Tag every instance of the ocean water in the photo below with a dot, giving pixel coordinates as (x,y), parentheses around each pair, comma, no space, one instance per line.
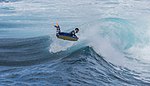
(112,50)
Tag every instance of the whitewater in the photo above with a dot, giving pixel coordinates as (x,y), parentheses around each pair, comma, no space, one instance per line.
(112,50)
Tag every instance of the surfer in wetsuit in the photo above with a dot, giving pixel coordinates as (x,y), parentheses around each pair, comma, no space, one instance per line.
(58,31)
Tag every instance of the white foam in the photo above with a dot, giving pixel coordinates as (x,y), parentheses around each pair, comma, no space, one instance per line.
(58,45)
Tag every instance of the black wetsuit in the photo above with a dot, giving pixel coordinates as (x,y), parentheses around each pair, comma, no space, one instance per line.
(72,33)
(58,31)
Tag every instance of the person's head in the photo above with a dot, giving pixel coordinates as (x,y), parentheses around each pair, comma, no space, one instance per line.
(76,30)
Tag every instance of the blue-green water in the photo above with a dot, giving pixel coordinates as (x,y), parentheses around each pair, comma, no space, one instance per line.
(112,50)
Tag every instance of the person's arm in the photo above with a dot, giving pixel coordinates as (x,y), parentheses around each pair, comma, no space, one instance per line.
(57,26)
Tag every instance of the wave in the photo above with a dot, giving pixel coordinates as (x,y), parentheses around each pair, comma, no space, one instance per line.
(80,66)
(85,65)
(23,51)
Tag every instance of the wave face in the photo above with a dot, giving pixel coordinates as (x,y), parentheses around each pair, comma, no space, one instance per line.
(113,47)
(81,67)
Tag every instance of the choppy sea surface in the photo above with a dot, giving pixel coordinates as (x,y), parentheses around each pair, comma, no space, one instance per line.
(112,50)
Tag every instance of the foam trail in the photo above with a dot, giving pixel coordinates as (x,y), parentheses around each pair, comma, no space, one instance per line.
(58,45)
